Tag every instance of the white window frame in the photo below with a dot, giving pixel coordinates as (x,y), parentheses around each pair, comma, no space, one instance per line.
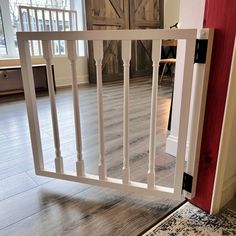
(9,34)
(26,26)
(8,31)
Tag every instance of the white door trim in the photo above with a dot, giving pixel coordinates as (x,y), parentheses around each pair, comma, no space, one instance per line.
(225,187)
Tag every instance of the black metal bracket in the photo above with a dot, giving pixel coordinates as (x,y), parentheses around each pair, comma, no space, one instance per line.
(200,51)
(187,182)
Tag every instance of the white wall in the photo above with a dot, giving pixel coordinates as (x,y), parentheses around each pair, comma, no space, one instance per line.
(191,15)
(225,181)
(171,13)
(63,71)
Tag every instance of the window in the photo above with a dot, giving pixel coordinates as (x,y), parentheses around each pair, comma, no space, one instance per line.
(3,48)
(15,18)
(47,19)
(9,47)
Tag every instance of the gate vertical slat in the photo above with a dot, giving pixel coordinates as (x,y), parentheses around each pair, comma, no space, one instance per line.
(51,23)
(59,41)
(30,99)
(72,56)
(21,19)
(76,22)
(37,28)
(184,114)
(44,22)
(30,29)
(70,17)
(63,21)
(156,49)
(98,56)
(51,29)
(126,56)
(47,54)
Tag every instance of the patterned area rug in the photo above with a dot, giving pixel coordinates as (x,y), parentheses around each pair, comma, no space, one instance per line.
(190,220)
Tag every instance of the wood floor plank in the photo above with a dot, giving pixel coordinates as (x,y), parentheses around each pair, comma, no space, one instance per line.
(28,203)
(35,205)
(15,185)
(118,214)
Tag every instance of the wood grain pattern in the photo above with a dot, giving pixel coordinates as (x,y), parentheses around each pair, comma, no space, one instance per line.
(34,205)
(107,15)
(144,15)
(221,16)
(120,14)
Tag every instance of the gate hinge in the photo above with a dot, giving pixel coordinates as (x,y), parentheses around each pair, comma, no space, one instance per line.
(200,51)
(187,182)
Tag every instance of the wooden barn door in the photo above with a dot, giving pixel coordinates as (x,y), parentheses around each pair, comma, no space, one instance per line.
(123,14)
(107,15)
(144,14)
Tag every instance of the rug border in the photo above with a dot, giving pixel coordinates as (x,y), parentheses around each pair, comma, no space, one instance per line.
(164,217)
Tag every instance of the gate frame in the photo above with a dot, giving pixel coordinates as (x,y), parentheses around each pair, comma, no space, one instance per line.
(189,35)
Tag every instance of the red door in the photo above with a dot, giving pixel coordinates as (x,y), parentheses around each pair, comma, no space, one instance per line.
(221,16)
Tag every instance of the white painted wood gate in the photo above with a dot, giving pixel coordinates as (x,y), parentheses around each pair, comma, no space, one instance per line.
(41,19)
(126,36)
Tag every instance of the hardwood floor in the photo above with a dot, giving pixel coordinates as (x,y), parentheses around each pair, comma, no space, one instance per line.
(34,205)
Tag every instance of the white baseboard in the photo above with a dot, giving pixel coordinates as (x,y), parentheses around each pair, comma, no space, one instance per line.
(229,190)
(66,81)
(172,144)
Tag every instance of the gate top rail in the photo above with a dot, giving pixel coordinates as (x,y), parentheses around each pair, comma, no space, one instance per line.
(24,7)
(150,34)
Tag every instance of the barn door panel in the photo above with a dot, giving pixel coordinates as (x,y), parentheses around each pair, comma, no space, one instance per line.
(107,15)
(123,14)
(144,14)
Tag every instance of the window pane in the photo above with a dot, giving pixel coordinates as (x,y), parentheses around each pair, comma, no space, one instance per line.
(3,48)
(60,4)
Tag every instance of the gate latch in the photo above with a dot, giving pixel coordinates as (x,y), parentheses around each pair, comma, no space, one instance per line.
(200,51)
(187,182)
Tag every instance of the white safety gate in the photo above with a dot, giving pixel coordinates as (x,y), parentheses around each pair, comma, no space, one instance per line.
(41,19)
(126,36)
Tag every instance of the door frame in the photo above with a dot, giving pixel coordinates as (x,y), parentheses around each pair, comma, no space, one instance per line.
(225,184)
(218,14)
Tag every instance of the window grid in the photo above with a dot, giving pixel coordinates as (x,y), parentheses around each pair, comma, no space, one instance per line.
(3,46)
(47,19)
